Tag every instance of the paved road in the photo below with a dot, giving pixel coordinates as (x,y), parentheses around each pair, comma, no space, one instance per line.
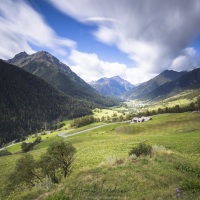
(64,133)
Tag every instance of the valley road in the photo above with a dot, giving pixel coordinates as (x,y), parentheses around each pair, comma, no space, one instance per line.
(79,132)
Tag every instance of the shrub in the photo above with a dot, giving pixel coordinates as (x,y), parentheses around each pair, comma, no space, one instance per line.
(190,185)
(5,152)
(29,146)
(159,149)
(61,195)
(113,161)
(133,157)
(26,146)
(141,149)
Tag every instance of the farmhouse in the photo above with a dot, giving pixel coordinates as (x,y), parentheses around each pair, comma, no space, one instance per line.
(48,132)
(141,119)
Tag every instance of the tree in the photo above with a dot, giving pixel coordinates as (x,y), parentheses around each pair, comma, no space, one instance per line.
(102,119)
(121,118)
(37,140)
(25,147)
(192,106)
(25,172)
(59,156)
(176,109)
(198,103)
(29,146)
(160,111)
(48,166)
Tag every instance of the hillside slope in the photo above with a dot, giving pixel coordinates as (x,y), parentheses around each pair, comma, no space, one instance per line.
(59,75)
(143,89)
(114,87)
(190,80)
(27,103)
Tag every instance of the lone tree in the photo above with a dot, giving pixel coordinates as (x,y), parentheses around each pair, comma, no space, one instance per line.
(25,172)
(59,157)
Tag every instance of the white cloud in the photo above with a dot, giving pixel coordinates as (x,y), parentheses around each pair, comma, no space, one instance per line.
(152,33)
(21,25)
(187,60)
(89,67)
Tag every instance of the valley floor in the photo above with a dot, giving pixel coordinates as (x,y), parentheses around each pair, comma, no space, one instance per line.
(104,170)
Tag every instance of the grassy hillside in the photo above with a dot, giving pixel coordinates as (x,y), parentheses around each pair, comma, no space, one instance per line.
(182,99)
(141,91)
(103,169)
(189,80)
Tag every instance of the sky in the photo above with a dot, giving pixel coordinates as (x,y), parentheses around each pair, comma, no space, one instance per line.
(133,39)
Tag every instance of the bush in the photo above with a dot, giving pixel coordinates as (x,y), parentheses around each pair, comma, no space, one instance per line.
(190,185)
(82,121)
(142,149)
(61,195)
(5,152)
(25,147)
(133,157)
(29,146)
(156,150)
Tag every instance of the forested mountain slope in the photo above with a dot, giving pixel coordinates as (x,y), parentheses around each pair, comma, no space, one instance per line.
(60,76)
(28,102)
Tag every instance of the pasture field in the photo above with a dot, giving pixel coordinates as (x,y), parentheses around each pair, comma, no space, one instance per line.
(103,169)
(104,112)
(182,99)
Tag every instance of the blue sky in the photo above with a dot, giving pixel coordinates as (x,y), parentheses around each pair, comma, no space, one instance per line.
(66,26)
(98,38)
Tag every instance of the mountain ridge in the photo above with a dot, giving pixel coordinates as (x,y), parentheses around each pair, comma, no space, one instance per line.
(145,88)
(49,68)
(114,86)
(189,80)
(27,102)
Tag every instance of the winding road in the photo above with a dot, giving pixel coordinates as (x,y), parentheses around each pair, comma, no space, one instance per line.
(64,133)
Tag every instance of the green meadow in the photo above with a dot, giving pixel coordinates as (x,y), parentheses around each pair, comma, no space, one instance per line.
(103,168)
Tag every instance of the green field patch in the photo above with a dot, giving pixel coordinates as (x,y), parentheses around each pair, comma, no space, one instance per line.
(103,169)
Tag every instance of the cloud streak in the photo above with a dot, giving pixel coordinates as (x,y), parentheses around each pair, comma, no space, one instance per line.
(21,26)
(153,33)
(156,35)
(89,67)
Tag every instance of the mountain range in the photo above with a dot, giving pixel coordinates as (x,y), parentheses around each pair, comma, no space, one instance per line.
(145,88)
(189,80)
(114,87)
(49,68)
(166,84)
(38,89)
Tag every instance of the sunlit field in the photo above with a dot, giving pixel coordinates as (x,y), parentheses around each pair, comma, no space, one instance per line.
(103,169)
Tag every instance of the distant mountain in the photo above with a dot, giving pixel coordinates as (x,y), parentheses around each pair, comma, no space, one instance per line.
(141,91)
(28,102)
(114,87)
(60,76)
(189,80)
